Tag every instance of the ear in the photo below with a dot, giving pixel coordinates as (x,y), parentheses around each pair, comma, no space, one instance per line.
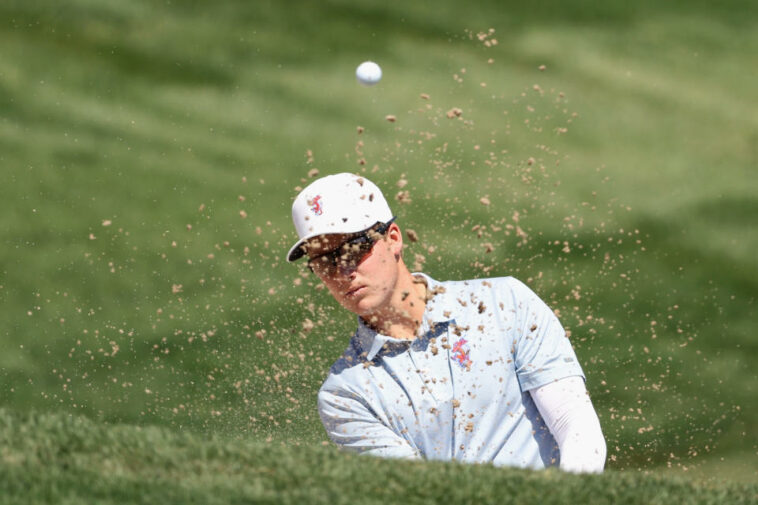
(394,237)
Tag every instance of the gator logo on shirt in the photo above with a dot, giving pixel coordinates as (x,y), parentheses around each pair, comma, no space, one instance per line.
(461,354)
(316,205)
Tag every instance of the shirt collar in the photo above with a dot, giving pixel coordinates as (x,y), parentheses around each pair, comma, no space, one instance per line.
(370,342)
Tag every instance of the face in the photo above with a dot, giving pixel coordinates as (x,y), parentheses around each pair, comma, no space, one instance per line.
(360,274)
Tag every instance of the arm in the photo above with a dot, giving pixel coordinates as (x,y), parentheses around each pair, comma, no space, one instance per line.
(568,412)
(352,425)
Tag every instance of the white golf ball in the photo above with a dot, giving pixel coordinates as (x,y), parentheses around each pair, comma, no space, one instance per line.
(368,73)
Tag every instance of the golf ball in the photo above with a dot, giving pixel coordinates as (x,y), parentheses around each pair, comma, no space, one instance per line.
(368,73)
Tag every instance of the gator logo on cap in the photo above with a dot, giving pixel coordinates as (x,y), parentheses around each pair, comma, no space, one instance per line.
(316,206)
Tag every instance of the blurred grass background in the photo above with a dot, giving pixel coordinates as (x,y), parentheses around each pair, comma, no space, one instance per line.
(151,151)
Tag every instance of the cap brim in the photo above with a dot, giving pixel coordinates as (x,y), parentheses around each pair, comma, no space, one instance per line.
(297,251)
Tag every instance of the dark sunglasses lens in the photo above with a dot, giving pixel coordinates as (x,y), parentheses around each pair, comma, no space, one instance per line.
(358,251)
(348,255)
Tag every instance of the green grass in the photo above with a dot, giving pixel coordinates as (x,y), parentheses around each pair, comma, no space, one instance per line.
(635,153)
(55,458)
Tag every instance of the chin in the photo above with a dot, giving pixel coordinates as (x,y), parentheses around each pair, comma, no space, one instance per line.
(364,310)
(363,307)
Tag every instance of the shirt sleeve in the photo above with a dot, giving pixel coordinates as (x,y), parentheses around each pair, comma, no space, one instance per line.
(352,425)
(541,351)
(568,413)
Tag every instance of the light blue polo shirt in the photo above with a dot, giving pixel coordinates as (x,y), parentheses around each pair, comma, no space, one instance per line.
(459,391)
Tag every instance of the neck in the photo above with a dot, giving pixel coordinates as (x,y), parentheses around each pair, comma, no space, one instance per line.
(405,313)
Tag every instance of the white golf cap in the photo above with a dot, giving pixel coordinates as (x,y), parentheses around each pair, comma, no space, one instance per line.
(340,203)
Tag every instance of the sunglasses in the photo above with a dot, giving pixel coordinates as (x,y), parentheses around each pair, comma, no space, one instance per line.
(350,253)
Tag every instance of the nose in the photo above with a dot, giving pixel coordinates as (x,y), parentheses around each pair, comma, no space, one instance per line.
(347,271)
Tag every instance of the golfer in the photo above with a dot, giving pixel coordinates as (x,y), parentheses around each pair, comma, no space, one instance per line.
(476,371)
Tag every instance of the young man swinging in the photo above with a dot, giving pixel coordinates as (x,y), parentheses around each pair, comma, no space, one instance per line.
(476,371)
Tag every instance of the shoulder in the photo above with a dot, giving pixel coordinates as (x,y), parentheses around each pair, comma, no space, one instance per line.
(509,287)
(466,286)
(453,289)
(465,299)
(484,282)
(497,286)
(344,384)
(350,358)
(343,371)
